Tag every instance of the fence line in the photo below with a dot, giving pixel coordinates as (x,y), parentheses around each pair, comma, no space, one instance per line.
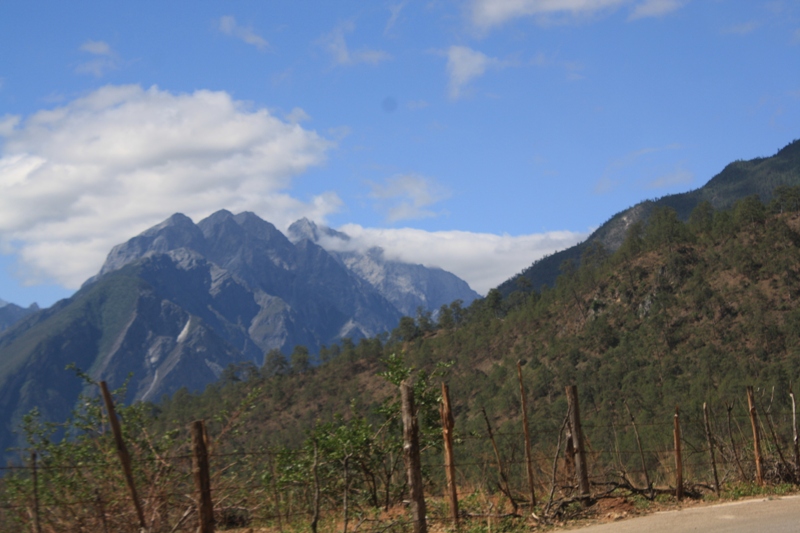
(491,476)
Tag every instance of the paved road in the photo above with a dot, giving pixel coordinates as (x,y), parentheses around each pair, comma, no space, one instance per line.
(777,515)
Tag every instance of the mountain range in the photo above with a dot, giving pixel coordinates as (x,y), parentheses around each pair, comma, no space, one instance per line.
(175,305)
(737,180)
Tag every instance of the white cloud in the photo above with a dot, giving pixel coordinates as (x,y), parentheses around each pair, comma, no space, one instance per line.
(407,196)
(464,65)
(297,115)
(228,26)
(336,45)
(655,8)
(610,179)
(488,13)
(105,59)
(78,179)
(394,11)
(98,48)
(7,124)
(605,185)
(484,260)
(676,177)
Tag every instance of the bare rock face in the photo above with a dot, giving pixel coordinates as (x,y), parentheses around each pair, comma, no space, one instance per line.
(251,285)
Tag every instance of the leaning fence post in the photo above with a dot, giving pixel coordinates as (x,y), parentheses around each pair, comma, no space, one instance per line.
(449,464)
(756,437)
(577,440)
(641,451)
(37,528)
(528,459)
(711,448)
(202,479)
(678,456)
(411,457)
(122,451)
(504,486)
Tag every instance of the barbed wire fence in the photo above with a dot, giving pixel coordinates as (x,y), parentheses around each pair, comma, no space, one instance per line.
(493,475)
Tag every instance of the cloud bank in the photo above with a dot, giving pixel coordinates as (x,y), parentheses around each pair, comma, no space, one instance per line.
(78,179)
(484,260)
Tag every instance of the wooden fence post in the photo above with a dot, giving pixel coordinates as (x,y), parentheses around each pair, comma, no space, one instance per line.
(641,451)
(711,448)
(528,459)
(411,457)
(751,404)
(729,408)
(504,485)
(315,472)
(37,528)
(678,456)
(202,479)
(795,440)
(448,423)
(122,451)
(276,492)
(577,439)
(101,510)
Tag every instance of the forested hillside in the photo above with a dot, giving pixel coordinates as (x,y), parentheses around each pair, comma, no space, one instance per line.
(681,314)
(760,177)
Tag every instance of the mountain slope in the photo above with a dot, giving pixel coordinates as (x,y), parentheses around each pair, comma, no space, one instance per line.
(737,180)
(673,318)
(12,313)
(116,326)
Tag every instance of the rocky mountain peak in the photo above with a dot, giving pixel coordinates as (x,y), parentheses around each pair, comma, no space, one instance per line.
(11,313)
(307,229)
(259,228)
(303,229)
(178,231)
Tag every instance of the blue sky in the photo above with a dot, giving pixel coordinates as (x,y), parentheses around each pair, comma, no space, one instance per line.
(475,135)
